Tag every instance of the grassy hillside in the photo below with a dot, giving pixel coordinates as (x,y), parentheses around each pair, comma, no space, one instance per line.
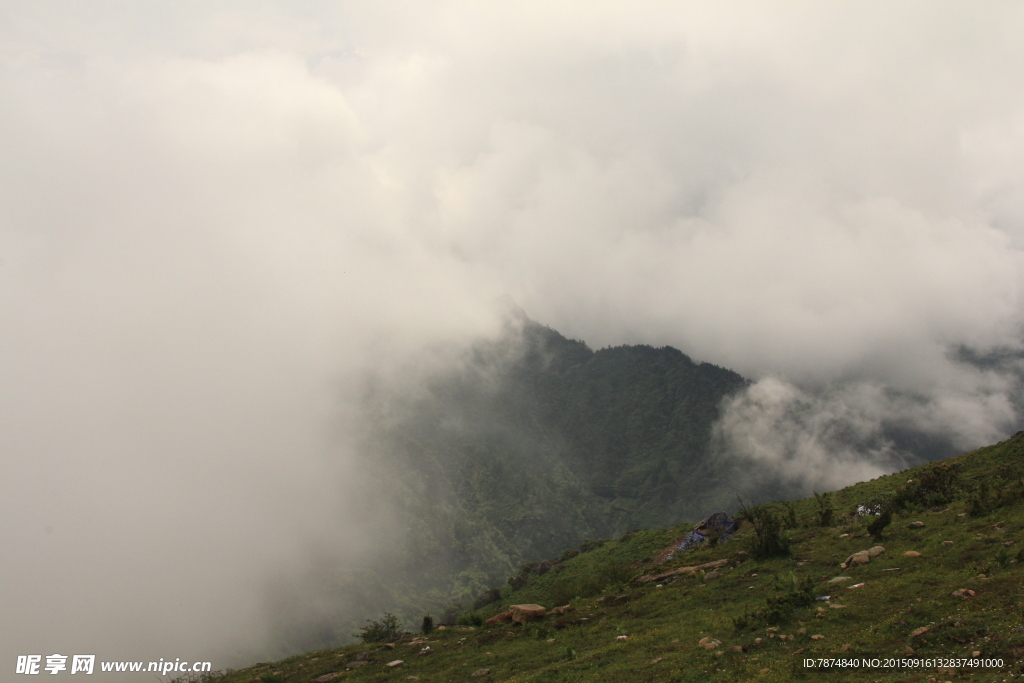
(958,597)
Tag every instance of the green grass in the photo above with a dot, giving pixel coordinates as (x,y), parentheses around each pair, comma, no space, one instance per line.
(664,624)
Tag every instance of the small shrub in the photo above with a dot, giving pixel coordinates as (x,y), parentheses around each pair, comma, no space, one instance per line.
(470,619)
(979,504)
(275,677)
(1003,557)
(877,527)
(825,512)
(428,625)
(789,517)
(769,539)
(388,628)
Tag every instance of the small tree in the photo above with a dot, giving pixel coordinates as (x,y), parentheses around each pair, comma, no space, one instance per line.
(769,539)
(388,628)
(428,625)
(825,509)
(883,520)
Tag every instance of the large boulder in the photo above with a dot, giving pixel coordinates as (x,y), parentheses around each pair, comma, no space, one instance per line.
(863,557)
(502,618)
(524,613)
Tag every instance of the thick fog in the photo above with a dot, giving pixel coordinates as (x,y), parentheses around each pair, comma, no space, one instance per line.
(217,220)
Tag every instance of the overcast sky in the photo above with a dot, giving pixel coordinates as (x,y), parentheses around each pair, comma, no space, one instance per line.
(216,217)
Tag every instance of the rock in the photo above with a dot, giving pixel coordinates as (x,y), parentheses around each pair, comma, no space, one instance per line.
(862,557)
(427,650)
(711,645)
(758,641)
(963,593)
(908,650)
(844,535)
(481,672)
(524,613)
(802,632)
(817,636)
(837,579)
(920,631)
(656,660)
(363,657)
(563,609)
(736,648)
(327,677)
(504,617)
(703,641)
(358,662)
(976,653)
(711,575)
(835,606)
(911,553)
(621,637)
(947,543)
(916,525)
(845,647)
(397,662)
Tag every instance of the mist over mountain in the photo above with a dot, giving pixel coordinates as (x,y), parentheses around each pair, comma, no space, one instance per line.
(248,357)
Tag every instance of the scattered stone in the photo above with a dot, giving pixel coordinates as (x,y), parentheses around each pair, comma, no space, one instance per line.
(327,677)
(427,650)
(550,640)
(976,653)
(817,636)
(800,651)
(412,678)
(947,543)
(844,535)
(845,647)
(835,606)
(766,671)
(783,637)
(387,646)
(772,629)
(675,640)
(563,609)
(862,557)
(963,593)
(363,657)
(758,641)
(736,648)
(524,613)
(892,569)
(837,579)
(911,553)
(916,525)
(802,632)
(908,650)
(657,659)
(711,575)
(358,662)
(397,662)
(621,637)
(481,672)
(920,631)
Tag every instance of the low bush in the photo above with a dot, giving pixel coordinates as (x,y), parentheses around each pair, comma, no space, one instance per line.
(387,628)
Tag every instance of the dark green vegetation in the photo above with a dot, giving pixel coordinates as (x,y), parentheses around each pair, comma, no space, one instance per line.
(957,593)
(534,444)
